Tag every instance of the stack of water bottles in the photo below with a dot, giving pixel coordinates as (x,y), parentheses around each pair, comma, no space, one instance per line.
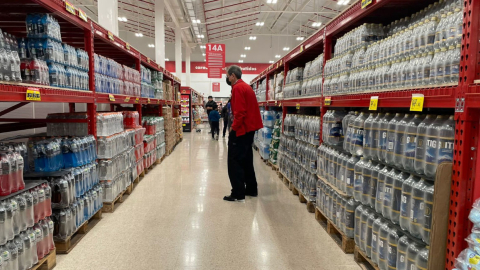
(261,91)
(148,90)
(279,86)
(12,164)
(274,144)
(388,163)
(67,66)
(10,71)
(298,152)
(114,78)
(264,134)
(418,51)
(312,77)
(154,147)
(293,83)
(470,257)
(116,152)
(157,81)
(26,230)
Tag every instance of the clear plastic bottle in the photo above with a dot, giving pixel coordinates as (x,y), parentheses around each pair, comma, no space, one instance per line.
(375,136)
(394,234)
(388,193)
(377,223)
(390,142)
(383,246)
(382,143)
(382,175)
(358,183)
(372,216)
(403,244)
(357,142)
(433,143)
(421,143)
(366,182)
(406,203)
(376,168)
(368,136)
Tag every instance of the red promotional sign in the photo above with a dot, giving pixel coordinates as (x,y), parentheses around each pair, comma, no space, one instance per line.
(201,67)
(215,59)
(215,87)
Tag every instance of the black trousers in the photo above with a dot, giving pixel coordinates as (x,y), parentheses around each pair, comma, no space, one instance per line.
(215,128)
(225,125)
(240,164)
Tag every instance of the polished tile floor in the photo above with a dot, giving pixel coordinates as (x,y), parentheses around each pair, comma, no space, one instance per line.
(176,219)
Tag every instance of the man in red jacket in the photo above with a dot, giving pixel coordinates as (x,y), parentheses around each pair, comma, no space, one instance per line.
(246,120)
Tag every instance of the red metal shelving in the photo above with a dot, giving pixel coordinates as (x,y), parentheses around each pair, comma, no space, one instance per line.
(464,98)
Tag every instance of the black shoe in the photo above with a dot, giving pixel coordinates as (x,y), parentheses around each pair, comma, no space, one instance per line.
(251,194)
(230,198)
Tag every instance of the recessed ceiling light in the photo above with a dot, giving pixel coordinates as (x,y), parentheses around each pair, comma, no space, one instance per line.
(139,34)
(277,56)
(151,45)
(203,46)
(300,38)
(240,61)
(195,21)
(203,54)
(316,24)
(286,48)
(252,38)
(259,23)
(271,1)
(343,2)
(271,62)
(122,19)
(200,36)
(166,59)
(247,48)
(243,55)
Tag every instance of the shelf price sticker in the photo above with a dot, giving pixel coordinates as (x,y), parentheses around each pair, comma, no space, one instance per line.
(373,103)
(365,3)
(70,8)
(301,48)
(417,103)
(148,100)
(127,46)
(136,100)
(127,99)
(279,104)
(33,94)
(298,106)
(82,15)
(328,101)
(110,36)
(111,97)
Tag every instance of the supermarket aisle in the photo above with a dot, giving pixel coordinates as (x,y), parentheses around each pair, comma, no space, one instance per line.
(176,219)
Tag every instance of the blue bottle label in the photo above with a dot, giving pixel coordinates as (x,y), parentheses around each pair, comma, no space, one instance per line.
(405,205)
(431,149)
(445,152)
(410,145)
(392,256)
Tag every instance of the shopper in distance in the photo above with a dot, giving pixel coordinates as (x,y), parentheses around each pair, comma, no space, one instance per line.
(246,120)
(210,106)
(214,118)
(225,116)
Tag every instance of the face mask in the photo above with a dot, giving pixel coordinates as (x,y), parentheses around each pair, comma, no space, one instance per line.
(228,82)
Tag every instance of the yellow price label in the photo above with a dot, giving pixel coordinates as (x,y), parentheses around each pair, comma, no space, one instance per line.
(365,3)
(70,8)
(184,125)
(127,45)
(136,100)
(328,101)
(82,15)
(417,103)
(33,94)
(148,60)
(127,99)
(373,103)
(148,100)
(298,106)
(301,48)
(474,260)
(111,97)
(110,36)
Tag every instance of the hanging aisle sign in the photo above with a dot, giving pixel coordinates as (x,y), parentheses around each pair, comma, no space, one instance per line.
(215,60)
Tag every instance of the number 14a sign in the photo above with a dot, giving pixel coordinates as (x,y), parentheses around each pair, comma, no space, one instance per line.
(215,59)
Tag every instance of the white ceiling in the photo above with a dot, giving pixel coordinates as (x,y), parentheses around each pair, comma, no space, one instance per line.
(231,22)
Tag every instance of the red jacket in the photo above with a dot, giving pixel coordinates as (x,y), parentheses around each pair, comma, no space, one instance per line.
(246,114)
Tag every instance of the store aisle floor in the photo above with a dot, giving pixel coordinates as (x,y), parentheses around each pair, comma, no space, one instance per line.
(176,219)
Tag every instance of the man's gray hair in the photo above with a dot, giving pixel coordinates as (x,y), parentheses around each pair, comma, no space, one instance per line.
(235,70)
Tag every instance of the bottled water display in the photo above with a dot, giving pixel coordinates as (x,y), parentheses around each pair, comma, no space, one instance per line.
(9,58)
(297,151)
(12,164)
(110,146)
(114,78)
(261,91)
(305,81)
(279,86)
(26,230)
(149,90)
(418,51)
(152,145)
(157,81)
(109,123)
(275,141)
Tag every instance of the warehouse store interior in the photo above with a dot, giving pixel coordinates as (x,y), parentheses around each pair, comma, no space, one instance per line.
(239,134)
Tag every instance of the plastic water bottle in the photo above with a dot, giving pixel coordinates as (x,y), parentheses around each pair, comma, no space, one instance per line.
(399,178)
(375,136)
(377,223)
(402,248)
(406,203)
(427,221)
(376,168)
(366,182)
(408,152)
(390,147)
(382,175)
(432,145)
(412,253)
(388,193)
(383,245)
(421,142)
(368,136)
(358,183)
(357,138)
(350,174)
(400,139)
(394,234)
(369,233)
(382,143)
